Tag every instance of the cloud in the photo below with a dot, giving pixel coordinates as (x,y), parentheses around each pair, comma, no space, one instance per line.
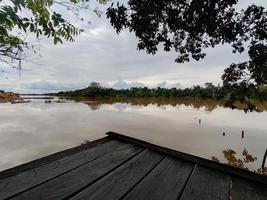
(100,54)
(120,84)
(42,85)
(177,85)
(48,86)
(164,84)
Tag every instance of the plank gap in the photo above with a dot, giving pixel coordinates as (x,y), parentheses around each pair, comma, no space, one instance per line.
(51,158)
(83,188)
(230,189)
(142,178)
(30,188)
(187,180)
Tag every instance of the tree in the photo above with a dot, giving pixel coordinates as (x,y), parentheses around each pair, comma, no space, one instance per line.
(190,26)
(186,26)
(20,17)
(253,71)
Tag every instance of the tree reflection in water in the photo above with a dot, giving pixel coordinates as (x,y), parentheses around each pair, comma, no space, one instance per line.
(208,104)
(233,160)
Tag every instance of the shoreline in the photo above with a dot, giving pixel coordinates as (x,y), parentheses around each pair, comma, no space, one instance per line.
(6,97)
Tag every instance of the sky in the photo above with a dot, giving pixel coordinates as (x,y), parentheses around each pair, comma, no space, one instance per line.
(101,55)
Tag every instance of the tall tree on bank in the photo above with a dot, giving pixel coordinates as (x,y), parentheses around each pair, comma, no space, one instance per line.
(190,26)
(20,17)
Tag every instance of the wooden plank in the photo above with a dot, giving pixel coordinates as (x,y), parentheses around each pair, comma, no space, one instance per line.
(115,185)
(207,184)
(50,158)
(201,161)
(64,185)
(246,190)
(166,181)
(23,181)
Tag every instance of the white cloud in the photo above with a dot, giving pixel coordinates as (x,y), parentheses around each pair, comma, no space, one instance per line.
(101,55)
(120,84)
(177,85)
(165,84)
(48,86)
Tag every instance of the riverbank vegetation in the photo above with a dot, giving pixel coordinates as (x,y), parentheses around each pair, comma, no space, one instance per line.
(208,91)
(186,27)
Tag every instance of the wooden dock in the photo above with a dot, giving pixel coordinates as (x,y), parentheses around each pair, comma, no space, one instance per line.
(118,167)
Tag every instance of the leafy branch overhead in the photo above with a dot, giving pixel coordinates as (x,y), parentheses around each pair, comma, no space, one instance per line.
(190,26)
(185,26)
(20,17)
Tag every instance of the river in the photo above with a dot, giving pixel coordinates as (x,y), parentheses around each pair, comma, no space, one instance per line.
(200,127)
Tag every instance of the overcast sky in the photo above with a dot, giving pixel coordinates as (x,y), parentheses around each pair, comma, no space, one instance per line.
(99,54)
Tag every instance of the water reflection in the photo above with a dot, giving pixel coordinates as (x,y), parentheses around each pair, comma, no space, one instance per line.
(199,127)
(208,104)
(247,158)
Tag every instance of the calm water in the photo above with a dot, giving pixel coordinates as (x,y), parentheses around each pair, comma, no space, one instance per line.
(203,128)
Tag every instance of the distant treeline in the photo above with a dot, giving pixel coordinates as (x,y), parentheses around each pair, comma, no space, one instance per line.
(208,91)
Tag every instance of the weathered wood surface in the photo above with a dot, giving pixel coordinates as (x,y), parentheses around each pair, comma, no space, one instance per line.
(69,183)
(166,181)
(207,184)
(246,190)
(119,167)
(25,180)
(47,159)
(119,182)
(195,159)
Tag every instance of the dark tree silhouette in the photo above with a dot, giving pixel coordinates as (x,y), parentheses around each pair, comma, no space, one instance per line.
(190,26)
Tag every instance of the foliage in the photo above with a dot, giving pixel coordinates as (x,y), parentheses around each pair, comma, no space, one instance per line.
(231,157)
(254,71)
(20,17)
(209,91)
(190,26)
(186,26)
